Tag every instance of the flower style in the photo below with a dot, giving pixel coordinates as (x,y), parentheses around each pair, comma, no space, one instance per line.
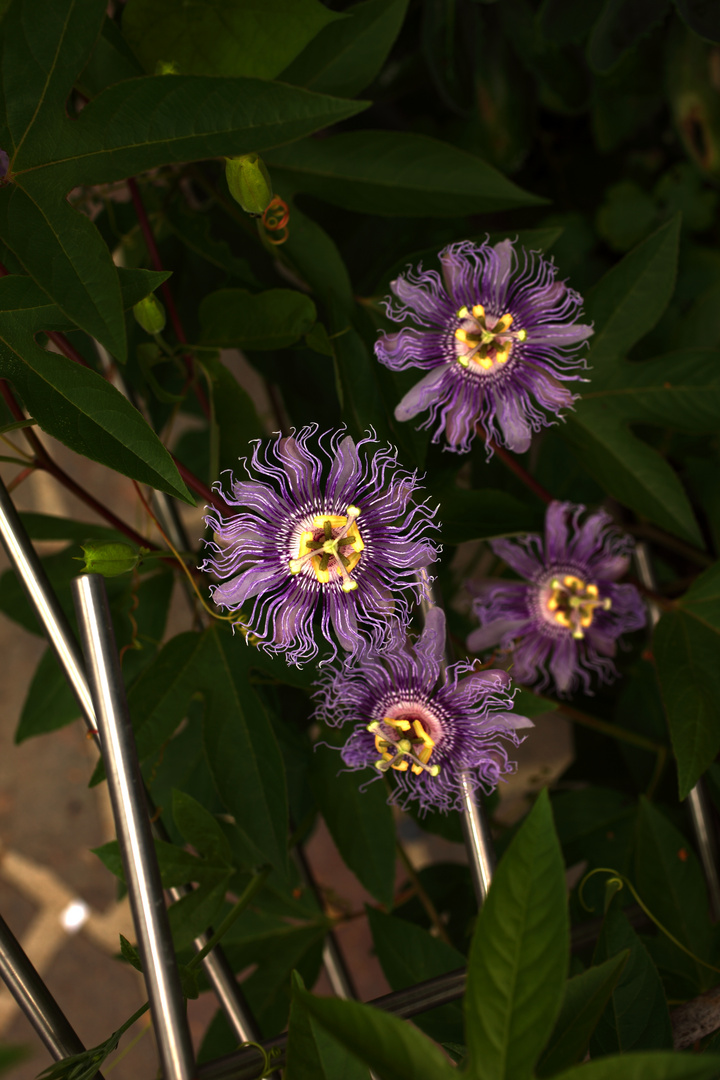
(349,545)
(497,333)
(568,616)
(420,726)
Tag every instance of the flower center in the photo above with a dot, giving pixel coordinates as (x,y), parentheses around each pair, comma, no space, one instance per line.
(484,343)
(403,743)
(571,603)
(332,548)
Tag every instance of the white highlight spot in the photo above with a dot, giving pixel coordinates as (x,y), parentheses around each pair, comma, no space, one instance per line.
(74,916)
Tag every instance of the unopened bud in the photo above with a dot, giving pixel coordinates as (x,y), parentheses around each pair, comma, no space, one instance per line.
(249,183)
(108,558)
(150,314)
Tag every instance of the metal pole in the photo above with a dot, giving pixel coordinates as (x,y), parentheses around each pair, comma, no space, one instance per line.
(475,826)
(698,801)
(32,577)
(44,602)
(35,1000)
(132,824)
(247,1064)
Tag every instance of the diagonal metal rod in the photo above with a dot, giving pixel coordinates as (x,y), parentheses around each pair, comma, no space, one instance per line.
(35,1000)
(132,825)
(50,615)
(698,802)
(473,819)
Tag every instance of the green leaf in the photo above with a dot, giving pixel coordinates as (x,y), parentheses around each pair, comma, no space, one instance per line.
(479,514)
(200,828)
(85,412)
(685,647)
(177,866)
(586,996)
(391,1047)
(519,955)
(347,55)
(408,955)
(636,1017)
(62,250)
(223,37)
(194,230)
(52,527)
(669,879)
(396,174)
(110,61)
(50,703)
(311,1052)
(43,46)
(268,320)
(130,953)
(658,1066)
(680,390)
(622,24)
(702,16)
(192,914)
(360,822)
(628,301)
(243,754)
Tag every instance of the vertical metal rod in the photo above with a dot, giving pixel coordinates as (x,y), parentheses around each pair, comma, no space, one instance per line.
(132,824)
(35,1000)
(698,801)
(475,826)
(42,598)
(333,959)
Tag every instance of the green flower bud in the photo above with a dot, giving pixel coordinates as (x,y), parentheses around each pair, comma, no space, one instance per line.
(249,183)
(109,559)
(150,314)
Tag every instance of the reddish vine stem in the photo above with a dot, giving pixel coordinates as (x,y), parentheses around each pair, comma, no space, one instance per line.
(529,481)
(155,259)
(198,487)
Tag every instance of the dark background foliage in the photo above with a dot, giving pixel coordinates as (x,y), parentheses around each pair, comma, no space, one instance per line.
(590,131)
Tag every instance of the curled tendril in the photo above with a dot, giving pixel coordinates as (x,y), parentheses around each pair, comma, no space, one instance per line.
(276,218)
(617,881)
(268,1066)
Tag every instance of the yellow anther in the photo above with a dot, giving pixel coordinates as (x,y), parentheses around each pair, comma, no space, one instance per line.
(507,321)
(337,521)
(478,311)
(401,725)
(485,362)
(422,734)
(552,604)
(501,357)
(578,634)
(401,766)
(463,312)
(460,334)
(592,590)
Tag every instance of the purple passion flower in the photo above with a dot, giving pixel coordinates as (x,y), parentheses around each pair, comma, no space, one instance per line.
(564,622)
(417,726)
(496,336)
(295,542)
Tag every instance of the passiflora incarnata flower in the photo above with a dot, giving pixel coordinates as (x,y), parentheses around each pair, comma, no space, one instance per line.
(496,336)
(420,724)
(336,532)
(562,623)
